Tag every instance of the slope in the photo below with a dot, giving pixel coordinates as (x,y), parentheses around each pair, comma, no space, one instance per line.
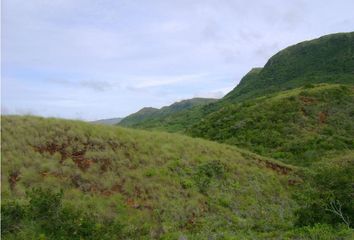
(151,185)
(298,126)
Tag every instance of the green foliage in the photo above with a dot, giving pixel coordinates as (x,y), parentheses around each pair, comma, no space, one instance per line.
(46,216)
(297,126)
(12,214)
(206,172)
(329,198)
(321,232)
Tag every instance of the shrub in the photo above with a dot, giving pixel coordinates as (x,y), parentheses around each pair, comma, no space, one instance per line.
(12,214)
(206,172)
(50,218)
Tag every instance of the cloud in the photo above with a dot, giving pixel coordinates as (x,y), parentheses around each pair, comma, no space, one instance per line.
(158,81)
(217,93)
(95,85)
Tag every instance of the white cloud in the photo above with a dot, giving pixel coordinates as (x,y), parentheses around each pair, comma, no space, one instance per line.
(156,81)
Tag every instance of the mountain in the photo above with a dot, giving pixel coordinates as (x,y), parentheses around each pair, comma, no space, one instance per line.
(109,121)
(328,59)
(142,184)
(152,118)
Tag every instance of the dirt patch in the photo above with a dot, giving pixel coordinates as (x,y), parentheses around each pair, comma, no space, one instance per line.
(13,179)
(280,169)
(322,117)
(307,100)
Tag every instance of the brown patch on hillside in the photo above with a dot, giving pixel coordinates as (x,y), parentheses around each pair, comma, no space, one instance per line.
(280,169)
(293,182)
(322,117)
(13,179)
(78,155)
(307,100)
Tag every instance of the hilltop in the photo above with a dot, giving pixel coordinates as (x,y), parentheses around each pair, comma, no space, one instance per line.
(328,59)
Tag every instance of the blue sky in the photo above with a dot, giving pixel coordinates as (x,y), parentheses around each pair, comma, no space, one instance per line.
(88,59)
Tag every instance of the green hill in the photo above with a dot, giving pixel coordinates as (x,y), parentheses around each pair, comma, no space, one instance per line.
(152,118)
(74,180)
(298,126)
(139,116)
(328,59)
(150,184)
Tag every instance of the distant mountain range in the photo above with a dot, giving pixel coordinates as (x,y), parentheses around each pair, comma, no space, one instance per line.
(153,118)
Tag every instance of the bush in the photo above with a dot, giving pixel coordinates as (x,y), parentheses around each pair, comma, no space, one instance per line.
(12,214)
(330,197)
(206,172)
(51,219)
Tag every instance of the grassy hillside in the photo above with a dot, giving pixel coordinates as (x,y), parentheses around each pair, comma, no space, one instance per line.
(298,126)
(74,180)
(152,118)
(136,185)
(328,59)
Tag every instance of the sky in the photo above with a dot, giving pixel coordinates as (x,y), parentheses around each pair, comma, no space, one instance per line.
(90,59)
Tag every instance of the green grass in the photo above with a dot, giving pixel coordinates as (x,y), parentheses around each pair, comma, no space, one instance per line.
(156,185)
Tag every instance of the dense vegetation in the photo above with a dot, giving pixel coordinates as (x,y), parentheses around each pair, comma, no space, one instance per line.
(298,126)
